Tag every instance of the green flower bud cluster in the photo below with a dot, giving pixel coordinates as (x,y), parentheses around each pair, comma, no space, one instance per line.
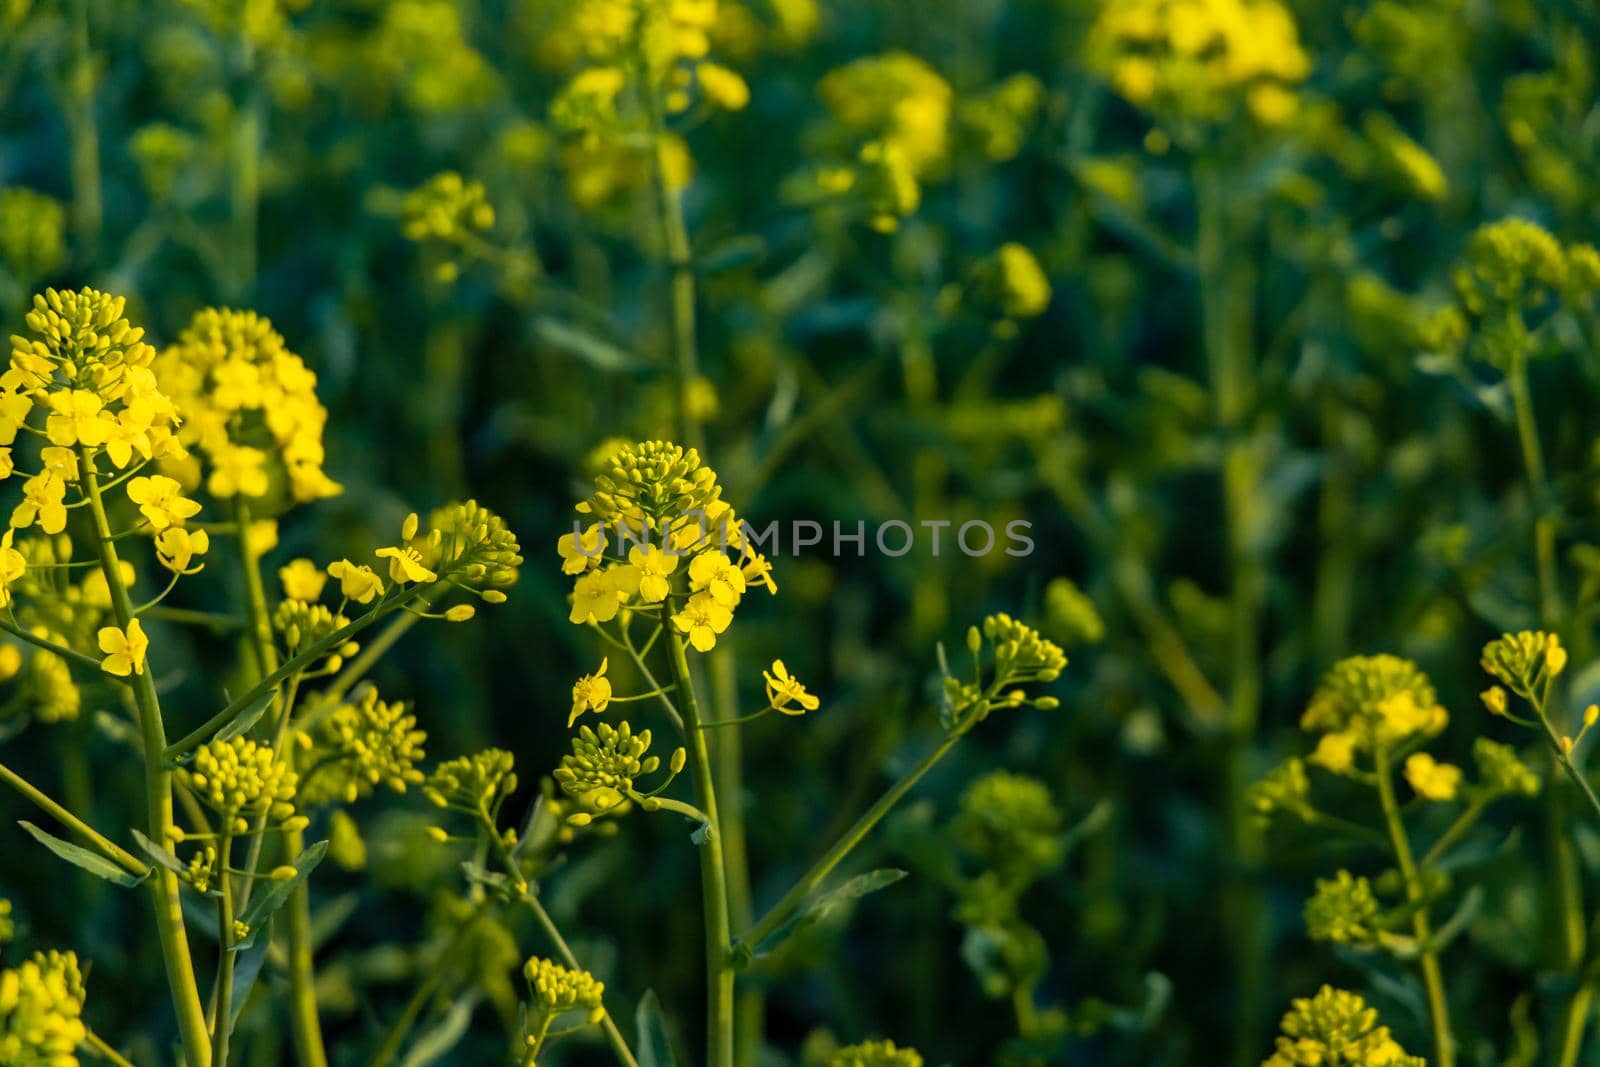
(1501,771)
(241,778)
(361,745)
(1343,910)
(1524,661)
(601,769)
(875,1054)
(303,624)
(655,479)
(471,546)
(41,1011)
(445,207)
(32,230)
(83,332)
(1021,654)
(1285,789)
(557,990)
(1511,264)
(1011,823)
(201,869)
(1359,689)
(473,783)
(998,117)
(1336,1027)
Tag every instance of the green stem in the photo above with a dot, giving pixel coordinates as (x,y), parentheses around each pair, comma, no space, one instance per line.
(304,1026)
(106,1052)
(222,1024)
(84,133)
(158,795)
(619,1044)
(1463,823)
(680,260)
(713,873)
(245,192)
(68,654)
(1544,531)
(790,902)
(105,847)
(1428,959)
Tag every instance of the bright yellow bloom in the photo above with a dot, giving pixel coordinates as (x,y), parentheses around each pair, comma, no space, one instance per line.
(714,573)
(77,417)
(653,566)
(124,649)
(581,552)
(357,582)
(177,547)
(302,580)
(405,565)
(59,461)
(239,471)
(787,693)
(1431,779)
(42,502)
(722,87)
(13,565)
(596,597)
(161,501)
(702,619)
(592,692)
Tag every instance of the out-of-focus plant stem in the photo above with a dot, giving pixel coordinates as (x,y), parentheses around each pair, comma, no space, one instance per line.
(1416,895)
(245,178)
(619,1044)
(223,998)
(304,1026)
(84,133)
(158,793)
(1227,285)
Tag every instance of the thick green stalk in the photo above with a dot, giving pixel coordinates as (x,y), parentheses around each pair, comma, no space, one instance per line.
(222,1024)
(713,874)
(158,795)
(1416,892)
(304,1026)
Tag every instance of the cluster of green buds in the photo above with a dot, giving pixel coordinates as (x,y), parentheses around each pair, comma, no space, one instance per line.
(1369,702)
(1286,790)
(303,625)
(1336,1027)
(1011,824)
(654,479)
(875,1054)
(1528,663)
(1019,654)
(473,784)
(600,772)
(1345,910)
(41,1011)
(445,207)
(554,991)
(358,746)
(240,779)
(472,548)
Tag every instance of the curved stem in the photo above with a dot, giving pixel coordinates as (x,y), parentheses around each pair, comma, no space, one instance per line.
(619,1044)
(713,874)
(104,846)
(158,795)
(105,1051)
(1428,959)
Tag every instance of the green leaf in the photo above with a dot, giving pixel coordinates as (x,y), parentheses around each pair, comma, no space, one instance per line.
(593,349)
(78,856)
(161,855)
(444,1035)
(654,1049)
(246,718)
(272,897)
(826,903)
(246,969)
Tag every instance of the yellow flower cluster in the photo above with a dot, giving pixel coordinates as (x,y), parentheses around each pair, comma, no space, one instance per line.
(600,771)
(664,505)
(1196,59)
(303,624)
(1336,1027)
(557,990)
(360,745)
(90,369)
(1525,662)
(1343,910)
(1369,701)
(1011,823)
(250,410)
(875,1054)
(444,207)
(239,779)
(41,1011)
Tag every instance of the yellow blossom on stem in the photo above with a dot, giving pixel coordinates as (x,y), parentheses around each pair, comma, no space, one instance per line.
(124,649)
(405,565)
(654,567)
(357,581)
(161,501)
(701,620)
(786,693)
(302,579)
(177,547)
(712,572)
(43,501)
(592,692)
(1431,779)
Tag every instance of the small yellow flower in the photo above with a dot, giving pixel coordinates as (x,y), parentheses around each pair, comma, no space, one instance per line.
(592,692)
(42,502)
(1494,698)
(596,597)
(1335,752)
(12,567)
(758,571)
(653,566)
(357,582)
(702,619)
(124,649)
(302,580)
(62,462)
(177,547)
(787,693)
(1431,779)
(238,471)
(76,418)
(581,552)
(714,573)
(405,565)
(161,501)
